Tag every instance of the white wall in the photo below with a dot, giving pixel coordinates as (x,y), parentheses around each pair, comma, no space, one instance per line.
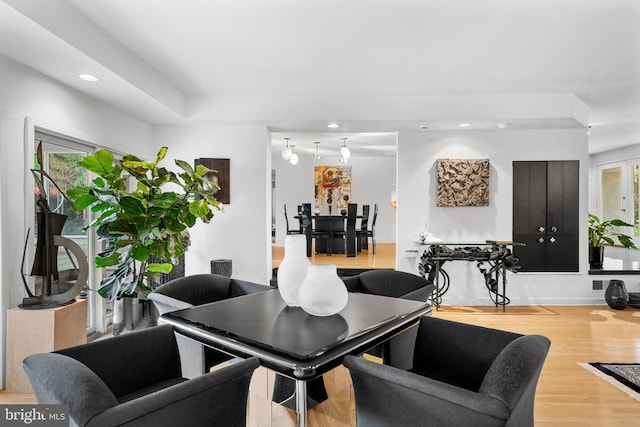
(373,179)
(24,94)
(242,233)
(417,155)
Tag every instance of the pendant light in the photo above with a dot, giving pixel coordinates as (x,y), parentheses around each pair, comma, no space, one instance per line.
(344,150)
(294,157)
(287,151)
(316,157)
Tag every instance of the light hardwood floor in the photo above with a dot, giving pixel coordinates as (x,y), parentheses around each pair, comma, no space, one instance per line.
(567,394)
(385,257)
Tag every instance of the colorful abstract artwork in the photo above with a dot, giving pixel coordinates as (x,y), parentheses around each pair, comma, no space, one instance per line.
(332,186)
(463,182)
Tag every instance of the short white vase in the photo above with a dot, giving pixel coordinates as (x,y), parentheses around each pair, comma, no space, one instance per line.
(322,292)
(293,268)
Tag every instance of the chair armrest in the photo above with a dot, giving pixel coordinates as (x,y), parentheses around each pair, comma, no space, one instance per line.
(352,283)
(216,398)
(387,396)
(516,370)
(85,392)
(166,304)
(420,294)
(242,287)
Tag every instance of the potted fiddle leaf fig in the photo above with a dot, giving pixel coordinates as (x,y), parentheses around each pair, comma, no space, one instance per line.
(142,210)
(602,233)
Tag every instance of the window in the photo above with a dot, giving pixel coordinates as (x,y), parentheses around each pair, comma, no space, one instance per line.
(60,157)
(619,198)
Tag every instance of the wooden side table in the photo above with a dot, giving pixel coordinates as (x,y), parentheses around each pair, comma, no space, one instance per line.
(41,331)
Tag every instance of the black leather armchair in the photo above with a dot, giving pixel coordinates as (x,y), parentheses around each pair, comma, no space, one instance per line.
(199,289)
(462,375)
(398,284)
(135,380)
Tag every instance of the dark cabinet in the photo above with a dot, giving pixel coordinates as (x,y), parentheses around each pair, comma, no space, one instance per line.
(546,214)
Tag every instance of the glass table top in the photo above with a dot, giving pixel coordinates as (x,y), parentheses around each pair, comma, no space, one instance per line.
(265,321)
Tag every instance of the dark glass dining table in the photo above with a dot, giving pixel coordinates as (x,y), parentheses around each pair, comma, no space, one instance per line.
(290,341)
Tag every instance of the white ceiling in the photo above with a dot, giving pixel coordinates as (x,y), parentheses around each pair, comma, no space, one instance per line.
(174,62)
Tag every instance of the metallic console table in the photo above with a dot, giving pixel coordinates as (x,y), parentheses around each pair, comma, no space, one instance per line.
(493,259)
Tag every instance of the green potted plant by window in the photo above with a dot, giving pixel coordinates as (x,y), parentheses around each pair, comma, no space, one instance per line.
(150,219)
(602,233)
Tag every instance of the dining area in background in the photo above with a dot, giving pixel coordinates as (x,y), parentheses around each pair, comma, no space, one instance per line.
(335,233)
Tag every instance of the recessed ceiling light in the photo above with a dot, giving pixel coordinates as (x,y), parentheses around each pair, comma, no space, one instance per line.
(333,125)
(424,127)
(464,125)
(504,125)
(88,77)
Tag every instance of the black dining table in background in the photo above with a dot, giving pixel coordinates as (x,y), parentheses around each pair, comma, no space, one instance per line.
(333,224)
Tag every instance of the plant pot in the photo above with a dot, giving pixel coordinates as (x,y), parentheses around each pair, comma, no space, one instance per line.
(596,257)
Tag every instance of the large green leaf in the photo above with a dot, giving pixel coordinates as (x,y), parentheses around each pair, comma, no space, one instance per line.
(120,226)
(109,287)
(201,171)
(173,225)
(99,182)
(112,259)
(104,219)
(164,200)
(185,166)
(137,167)
(132,206)
(199,208)
(145,223)
(161,154)
(160,268)
(139,252)
(100,163)
(77,192)
(99,207)
(84,201)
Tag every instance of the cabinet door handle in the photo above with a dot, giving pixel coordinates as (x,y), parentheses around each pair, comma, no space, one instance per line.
(540,239)
(554,229)
(541,229)
(552,240)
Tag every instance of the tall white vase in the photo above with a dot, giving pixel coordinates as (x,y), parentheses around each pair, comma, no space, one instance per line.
(293,268)
(323,293)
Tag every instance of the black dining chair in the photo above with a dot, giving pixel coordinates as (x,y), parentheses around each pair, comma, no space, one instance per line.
(349,233)
(306,223)
(136,379)
(364,223)
(364,234)
(291,230)
(316,233)
(462,375)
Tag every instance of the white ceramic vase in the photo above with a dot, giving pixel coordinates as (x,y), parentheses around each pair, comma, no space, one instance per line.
(293,268)
(322,292)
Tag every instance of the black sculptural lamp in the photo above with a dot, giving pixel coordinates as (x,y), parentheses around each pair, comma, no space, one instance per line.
(53,287)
